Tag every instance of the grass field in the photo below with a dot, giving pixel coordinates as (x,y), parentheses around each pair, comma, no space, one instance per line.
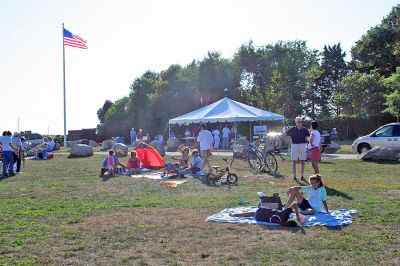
(61,212)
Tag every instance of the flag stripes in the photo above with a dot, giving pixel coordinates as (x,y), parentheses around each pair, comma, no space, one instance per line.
(74,40)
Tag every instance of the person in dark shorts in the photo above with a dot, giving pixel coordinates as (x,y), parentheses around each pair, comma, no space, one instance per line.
(316,196)
(281,217)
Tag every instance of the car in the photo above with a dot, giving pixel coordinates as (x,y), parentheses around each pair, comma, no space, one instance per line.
(34,138)
(386,136)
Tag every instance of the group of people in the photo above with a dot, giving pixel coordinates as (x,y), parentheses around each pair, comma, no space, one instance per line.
(13,146)
(301,136)
(136,136)
(111,163)
(221,138)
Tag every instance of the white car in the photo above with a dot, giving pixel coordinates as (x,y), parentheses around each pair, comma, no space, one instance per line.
(386,136)
(34,138)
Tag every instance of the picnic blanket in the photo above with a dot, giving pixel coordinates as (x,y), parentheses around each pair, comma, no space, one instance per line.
(148,175)
(332,219)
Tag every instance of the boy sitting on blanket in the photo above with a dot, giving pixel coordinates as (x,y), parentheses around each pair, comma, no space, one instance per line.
(282,217)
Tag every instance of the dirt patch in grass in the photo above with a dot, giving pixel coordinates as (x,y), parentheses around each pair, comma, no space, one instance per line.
(160,236)
(393,193)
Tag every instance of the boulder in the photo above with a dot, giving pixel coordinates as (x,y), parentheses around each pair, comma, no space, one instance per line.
(172,144)
(93,143)
(107,144)
(81,150)
(71,143)
(378,153)
(332,147)
(158,146)
(57,147)
(120,146)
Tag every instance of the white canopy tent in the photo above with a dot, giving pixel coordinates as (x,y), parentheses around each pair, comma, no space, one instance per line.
(225,110)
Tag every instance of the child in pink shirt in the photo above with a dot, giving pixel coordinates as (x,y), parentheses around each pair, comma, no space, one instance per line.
(108,164)
(133,164)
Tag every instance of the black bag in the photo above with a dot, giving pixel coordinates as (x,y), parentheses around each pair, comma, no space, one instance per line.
(273,202)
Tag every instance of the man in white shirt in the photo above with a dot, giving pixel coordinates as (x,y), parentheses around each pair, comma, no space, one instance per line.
(205,140)
(216,138)
(225,137)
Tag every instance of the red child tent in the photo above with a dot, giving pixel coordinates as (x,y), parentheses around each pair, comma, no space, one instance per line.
(149,156)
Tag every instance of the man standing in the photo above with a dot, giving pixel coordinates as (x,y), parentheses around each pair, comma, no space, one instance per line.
(132,133)
(216,137)
(205,140)
(16,142)
(225,137)
(299,135)
(7,154)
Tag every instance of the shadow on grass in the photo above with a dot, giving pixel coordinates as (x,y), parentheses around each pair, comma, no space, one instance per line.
(325,162)
(334,192)
(106,177)
(276,175)
(78,157)
(383,162)
(285,228)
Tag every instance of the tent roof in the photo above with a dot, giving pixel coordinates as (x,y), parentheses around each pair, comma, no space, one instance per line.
(226,110)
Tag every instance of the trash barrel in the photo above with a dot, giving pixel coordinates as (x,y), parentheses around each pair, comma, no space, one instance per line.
(119,140)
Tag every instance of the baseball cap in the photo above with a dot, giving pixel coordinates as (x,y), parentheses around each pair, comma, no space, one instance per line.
(261,194)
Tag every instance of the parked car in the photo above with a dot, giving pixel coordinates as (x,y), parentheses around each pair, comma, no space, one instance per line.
(386,136)
(34,138)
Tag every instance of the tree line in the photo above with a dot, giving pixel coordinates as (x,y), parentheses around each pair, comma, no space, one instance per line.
(285,77)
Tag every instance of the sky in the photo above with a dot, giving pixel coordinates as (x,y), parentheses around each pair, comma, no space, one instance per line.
(125,38)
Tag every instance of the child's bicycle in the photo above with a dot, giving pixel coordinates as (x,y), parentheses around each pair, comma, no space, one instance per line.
(222,174)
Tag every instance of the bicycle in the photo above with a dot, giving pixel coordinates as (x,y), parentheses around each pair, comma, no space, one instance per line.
(260,159)
(219,174)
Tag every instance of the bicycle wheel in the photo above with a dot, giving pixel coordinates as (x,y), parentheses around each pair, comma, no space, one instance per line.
(271,163)
(232,179)
(284,153)
(254,161)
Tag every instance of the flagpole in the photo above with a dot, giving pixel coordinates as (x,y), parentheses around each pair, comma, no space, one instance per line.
(65,104)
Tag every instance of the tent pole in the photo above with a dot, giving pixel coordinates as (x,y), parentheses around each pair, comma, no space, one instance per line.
(250,133)
(169,130)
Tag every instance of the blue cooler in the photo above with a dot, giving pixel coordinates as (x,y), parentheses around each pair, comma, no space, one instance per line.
(119,140)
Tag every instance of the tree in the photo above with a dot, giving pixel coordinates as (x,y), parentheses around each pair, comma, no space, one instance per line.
(379,49)
(334,68)
(360,94)
(101,113)
(393,98)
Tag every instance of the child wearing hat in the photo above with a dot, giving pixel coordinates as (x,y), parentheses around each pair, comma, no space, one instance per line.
(118,153)
(196,164)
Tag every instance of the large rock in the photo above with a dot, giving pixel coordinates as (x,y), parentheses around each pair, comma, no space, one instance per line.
(332,147)
(107,144)
(378,153)
(81,150)
(120,146)
(172,144)
(57,146)
(71,143)
(158,146)
(93,143)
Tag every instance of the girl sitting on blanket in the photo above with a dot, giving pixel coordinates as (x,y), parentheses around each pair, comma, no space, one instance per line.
(108,164)
(184,158)
(316,199)
(133,164)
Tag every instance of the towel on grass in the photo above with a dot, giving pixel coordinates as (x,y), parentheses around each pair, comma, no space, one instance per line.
(332,219)
(148,175)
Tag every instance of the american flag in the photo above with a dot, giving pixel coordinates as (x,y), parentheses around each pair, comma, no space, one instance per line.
(74,40)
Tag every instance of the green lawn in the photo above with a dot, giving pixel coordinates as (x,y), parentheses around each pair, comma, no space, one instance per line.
(61,212)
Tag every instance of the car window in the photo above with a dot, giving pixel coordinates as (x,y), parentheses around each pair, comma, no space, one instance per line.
(384,132)
(396,131)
